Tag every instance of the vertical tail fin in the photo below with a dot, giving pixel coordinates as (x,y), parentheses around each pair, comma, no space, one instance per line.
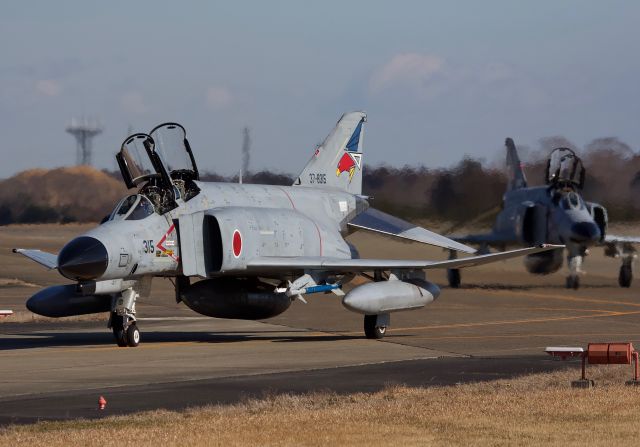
(337,162)
(515,171)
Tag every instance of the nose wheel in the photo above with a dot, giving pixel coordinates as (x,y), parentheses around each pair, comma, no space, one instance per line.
(125,331)
(573,282)
(123,319)
(133,335)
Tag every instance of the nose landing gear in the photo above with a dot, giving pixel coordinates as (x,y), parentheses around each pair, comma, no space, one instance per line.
(123,319)
(574,260)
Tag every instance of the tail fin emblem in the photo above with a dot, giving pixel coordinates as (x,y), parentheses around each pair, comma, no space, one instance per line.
(346,164)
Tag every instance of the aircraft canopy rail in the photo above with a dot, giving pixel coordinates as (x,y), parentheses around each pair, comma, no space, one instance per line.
(564,169)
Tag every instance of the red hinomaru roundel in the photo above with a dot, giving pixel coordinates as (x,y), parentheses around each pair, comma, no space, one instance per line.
(237,243)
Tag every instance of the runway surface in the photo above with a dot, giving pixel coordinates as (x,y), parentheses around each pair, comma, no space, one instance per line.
(496,326)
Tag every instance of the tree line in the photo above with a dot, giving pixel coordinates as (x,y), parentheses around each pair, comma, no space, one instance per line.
(455,194)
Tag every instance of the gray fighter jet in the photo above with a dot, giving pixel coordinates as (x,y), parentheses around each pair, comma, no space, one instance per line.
(254,248)
(556,214)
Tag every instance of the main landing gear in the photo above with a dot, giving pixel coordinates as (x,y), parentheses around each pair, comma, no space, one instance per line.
(626,275)
(375,326)
(626,252)
(123,319)
(453,275)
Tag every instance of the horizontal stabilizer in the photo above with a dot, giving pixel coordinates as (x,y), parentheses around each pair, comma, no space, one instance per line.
(383,223)
(48,260)
(337,265)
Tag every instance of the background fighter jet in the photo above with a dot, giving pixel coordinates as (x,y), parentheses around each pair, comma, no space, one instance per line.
(254,247)
(554,213)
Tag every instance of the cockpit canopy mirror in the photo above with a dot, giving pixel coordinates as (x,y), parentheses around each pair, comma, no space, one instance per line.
(564,169)
(134,162)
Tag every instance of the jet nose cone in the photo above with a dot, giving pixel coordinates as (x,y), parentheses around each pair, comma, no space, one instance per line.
(585,231)
(84,258)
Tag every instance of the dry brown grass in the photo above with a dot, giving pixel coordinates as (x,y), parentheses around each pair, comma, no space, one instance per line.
(532,410)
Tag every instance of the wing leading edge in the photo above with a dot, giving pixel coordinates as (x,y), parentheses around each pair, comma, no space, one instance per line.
(363,265)
(49,260)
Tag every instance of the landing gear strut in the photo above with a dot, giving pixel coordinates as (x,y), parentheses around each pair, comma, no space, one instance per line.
(375,326)
(123,319)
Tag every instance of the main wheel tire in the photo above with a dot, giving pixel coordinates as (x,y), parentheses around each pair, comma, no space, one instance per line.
(133,335)
(625,276)
(371,330)
(453,275)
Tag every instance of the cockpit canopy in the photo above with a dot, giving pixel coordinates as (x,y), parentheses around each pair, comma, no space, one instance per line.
(133,207)
(565,169)
(133,159)
(173,148)
(162,163)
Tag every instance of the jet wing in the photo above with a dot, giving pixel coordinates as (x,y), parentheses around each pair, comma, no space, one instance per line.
(363,265)
(492,239)
(383,223)
(48,260)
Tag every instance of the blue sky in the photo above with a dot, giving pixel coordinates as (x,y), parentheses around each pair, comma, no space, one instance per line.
(438,79)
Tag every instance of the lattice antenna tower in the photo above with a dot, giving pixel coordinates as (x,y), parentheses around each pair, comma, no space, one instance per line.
(246,152)
(84,130)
